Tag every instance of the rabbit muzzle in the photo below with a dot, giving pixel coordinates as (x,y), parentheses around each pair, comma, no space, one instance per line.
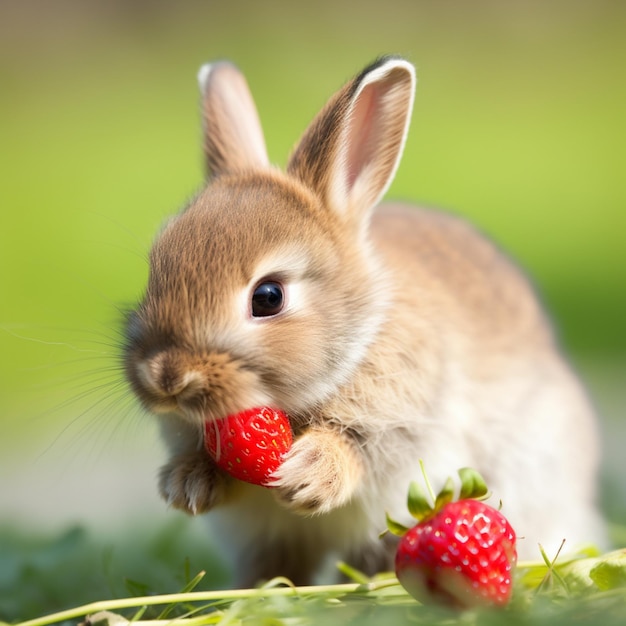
(199,387)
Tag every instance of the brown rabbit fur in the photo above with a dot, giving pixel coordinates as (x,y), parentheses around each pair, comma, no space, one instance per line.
(403,335)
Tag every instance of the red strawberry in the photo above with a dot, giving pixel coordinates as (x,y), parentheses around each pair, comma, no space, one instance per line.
(460,553)
(249,445)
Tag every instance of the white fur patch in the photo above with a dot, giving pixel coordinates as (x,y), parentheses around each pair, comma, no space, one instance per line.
(203,75)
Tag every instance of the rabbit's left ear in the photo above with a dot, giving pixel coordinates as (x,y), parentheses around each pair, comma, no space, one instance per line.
(351,150)
(233,138)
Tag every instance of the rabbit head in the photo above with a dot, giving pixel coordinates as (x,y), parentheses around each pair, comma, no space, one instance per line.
(265,290)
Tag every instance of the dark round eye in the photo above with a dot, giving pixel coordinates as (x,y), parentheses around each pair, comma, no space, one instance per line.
(267,299)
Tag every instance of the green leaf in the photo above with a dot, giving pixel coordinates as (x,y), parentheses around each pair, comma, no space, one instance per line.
(189,587)
(610,572)
(395,527)
(544,556)
(136,588)
(426,481)
(472,485)
(352,573)
(553,577)
(139,613)
(419,506)
(445,495)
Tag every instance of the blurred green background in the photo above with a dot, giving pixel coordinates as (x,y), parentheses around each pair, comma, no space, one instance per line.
(519,124)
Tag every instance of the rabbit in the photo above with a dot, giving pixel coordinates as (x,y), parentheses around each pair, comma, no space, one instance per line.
(389,334)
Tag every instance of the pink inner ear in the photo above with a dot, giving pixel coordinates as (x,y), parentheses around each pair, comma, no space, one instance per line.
(362,133)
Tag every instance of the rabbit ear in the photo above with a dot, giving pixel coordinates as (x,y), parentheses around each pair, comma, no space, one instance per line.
(233,138)
(351,150)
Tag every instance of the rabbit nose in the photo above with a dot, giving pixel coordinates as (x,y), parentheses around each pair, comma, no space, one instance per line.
(166,375)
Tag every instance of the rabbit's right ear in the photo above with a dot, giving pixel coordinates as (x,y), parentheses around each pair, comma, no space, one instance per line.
(233,138)
(351,150)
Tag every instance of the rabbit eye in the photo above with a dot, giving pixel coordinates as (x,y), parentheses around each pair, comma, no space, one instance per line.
(267,299)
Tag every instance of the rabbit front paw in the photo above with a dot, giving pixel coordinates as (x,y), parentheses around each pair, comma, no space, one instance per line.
(192,483)
(320,473)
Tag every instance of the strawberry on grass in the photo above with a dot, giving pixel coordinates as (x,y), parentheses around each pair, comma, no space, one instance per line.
(460,553)
(249,445)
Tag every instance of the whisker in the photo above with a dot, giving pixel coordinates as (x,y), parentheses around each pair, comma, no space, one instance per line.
(83,422)
(43,341)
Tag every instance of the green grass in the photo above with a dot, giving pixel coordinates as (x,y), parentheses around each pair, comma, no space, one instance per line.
(584,590)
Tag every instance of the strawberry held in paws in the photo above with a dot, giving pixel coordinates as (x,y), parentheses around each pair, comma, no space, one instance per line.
(249,445)
(460,553)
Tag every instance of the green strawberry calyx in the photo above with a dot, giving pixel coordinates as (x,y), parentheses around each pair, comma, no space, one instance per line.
(425,505)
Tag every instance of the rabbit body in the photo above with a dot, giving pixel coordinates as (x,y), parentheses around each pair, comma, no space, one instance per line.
(404,335)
